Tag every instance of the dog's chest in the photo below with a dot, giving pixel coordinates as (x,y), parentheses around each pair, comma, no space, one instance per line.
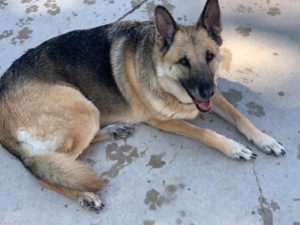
(171,109)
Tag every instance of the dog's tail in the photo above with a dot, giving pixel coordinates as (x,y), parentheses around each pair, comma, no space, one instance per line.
(60,169)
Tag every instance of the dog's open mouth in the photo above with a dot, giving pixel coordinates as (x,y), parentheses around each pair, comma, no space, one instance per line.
(202,105)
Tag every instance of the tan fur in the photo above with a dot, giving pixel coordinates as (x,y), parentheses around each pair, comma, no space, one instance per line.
(46,113)
(167,114)
(42,108)
(83,197)
(73,194)
(146,105)
(101,138)
(206,136)
(194,42)
(61,169)
(49,125)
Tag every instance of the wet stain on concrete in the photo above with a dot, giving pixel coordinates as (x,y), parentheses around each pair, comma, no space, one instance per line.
(3,4)
(266,210)
(53,8)
(298,152)
(281,93)
(181,185)
(123,156)
(275,54)
(156,200)
(134,3)
(241,8)
(89,2)
(255,109)
(179,18)
(92,162)
(274,11)
(181,218)
(244,31)
(24,22)
(266,215)
(178,221)
(22,36)
(26,1)
(182,213)
(233,96)
(268,1)
(156,161)
(171,189)
(6,34)
(32,9)
(244,9)
(150,6)
(245,79)
(24,33)
(227,59)
(274,206)
(149,222)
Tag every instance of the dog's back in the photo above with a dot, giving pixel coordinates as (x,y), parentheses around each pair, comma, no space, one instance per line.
(50,100)
(80,59)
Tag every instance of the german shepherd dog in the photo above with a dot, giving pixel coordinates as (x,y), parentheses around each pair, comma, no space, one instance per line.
(88,86)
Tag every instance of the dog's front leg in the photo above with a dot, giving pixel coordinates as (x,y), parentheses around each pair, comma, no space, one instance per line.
(227,146)
(263,141)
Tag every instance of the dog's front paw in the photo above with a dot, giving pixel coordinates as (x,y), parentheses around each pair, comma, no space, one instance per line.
(269,145)
(120,131)
(90,201)
(239,151)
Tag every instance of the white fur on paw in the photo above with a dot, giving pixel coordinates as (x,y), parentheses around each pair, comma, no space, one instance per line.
(239,151)
(90,201)
(269,145)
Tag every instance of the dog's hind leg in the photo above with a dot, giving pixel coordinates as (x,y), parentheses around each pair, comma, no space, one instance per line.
(87,200)
(263,141)
(113,132)
(50,133)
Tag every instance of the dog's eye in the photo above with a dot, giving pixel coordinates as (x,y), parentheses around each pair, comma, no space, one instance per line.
(184,61)
(209,56)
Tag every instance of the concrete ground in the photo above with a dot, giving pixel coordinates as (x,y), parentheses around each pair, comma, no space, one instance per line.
(155,178)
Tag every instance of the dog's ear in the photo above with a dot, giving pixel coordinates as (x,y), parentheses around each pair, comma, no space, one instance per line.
(210,19)
(165,26)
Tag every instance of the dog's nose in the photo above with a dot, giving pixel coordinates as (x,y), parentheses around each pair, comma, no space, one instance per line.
(206,90)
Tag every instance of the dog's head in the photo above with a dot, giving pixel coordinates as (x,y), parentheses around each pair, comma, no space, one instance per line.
(188,55)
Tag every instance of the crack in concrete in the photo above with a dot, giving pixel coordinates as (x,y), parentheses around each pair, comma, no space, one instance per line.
(132,10)
(258,185)
(266,213)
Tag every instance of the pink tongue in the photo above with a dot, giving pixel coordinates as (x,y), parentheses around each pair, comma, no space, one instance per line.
(205,105)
